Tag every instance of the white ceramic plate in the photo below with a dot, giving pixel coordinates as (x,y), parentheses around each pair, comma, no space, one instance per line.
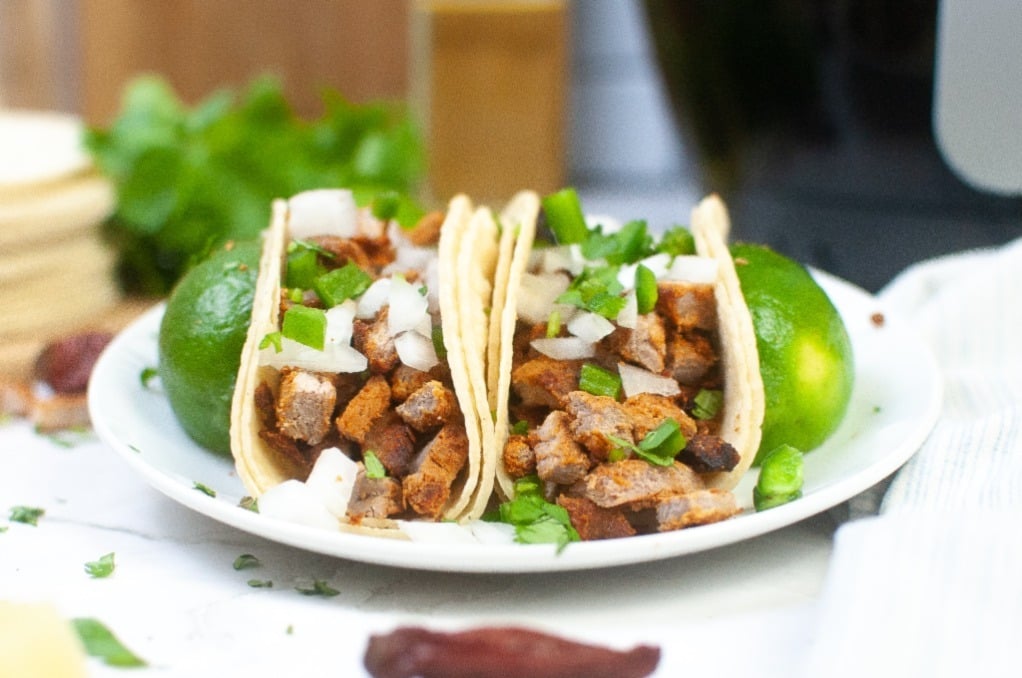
(894,405)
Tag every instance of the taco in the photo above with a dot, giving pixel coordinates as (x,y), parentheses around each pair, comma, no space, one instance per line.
(624,375)
(359,376)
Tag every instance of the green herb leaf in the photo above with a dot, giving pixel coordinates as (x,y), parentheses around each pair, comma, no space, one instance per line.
(340,284)
(374,467)
(536,520)
(520,428)
(645,289)
(598,381)
(249,504)
(563,213)
(147,375)
(272,339)
(99,642)
(305,325)
(26,514)
(245,561)
(662,444)
(707,403)
(205,489)
(103,567)
(260,583)
(318,588)
(597,290)
(780,478)
(303,266)
(625,246)
(676,241)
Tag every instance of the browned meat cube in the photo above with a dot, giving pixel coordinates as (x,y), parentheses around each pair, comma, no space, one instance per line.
(648,410)
(428,488)
(375,497)
(638,483)
(344,250)
(426,230)
(690,357)
(362,410)
(687,305)
(519,458)
(266,406)
(645,346)
(698,507)
(305,405)
(428,407)
(288,449)
(595,419)
(405,380)
(379,251)
(559,459)
(392,442)
(545,381)
(373,340)
(707,454)
(593,522)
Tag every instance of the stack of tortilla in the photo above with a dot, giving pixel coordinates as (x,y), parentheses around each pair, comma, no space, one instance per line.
(55,273)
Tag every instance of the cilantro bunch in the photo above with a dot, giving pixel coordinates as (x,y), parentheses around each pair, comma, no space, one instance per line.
(190,178)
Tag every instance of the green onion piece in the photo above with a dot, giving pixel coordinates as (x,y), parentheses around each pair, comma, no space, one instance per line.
(662,444)
(246,560)
(205,489)
(104,567)
(598,381)
(305,325)
(347,282)
(645,289)
(676,242)
(780,478)
(296,295)
(563,211)
(260,583)
(272,339)
(374,467)
(303,268)
(438,342)
(707,403)
(553,324)
(99,642)
(26,514)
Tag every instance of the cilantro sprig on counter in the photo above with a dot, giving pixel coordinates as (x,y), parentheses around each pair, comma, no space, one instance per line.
(189,178)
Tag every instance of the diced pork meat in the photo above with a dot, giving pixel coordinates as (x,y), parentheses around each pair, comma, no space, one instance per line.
(361,411)
(707,454)
(378,250)
(594,522)
(392,442)
(343,250)
(699,507)
(638,483)
(426,230)
(559,459)
(519,457)
(286,447)
(375,497)
(266,406)
(690,357)
(372,339)
(405,380)
(305,405)
(647,411)
(428,407)
(646,345)
(687,305)
(595,420)
(545,381)
(428,488)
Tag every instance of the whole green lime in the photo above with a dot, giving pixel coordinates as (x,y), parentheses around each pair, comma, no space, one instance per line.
(201,336)
(805,355)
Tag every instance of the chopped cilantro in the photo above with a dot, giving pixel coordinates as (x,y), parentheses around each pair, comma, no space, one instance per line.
(99,642)
(147,375)
(104,567)
(245,560)
(520,428)
(205,489)
(272,339)
(374,467)
(249,504)
(303,265)
(707,403)
(26,514)
(676,241)
(318,588)
(536,520)
(260,583)
(658,447)
(597,290)
(625,246)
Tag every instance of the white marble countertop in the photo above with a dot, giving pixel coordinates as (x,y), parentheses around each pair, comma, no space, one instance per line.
(176,600)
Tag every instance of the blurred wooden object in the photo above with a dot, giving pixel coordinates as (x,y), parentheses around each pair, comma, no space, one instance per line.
(490,85)
(356,47)
(34,55)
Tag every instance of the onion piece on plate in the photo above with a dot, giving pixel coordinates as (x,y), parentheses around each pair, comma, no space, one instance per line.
(635,380)
(691,268)
(416,350)
(590,327)
(408,306)
(323,211)
(537,294)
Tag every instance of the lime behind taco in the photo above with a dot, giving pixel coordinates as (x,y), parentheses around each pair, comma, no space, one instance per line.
(624,376)
(359,378)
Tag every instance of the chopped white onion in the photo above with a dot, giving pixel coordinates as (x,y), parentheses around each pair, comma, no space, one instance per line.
(537,293)
(295,502)
(416,351)
(332,480)
(323,211)
(628,317)
(333,357)
(658,264)
(691,268)
(339,323)
(635,380)
(408,257)
(626,275)
(553,259)
(564,348)
(373,299)
(408,306)
(590,327)
(492,533)
(609,224)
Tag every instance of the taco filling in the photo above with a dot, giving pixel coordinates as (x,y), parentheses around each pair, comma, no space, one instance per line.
(353,357)
(617,388)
